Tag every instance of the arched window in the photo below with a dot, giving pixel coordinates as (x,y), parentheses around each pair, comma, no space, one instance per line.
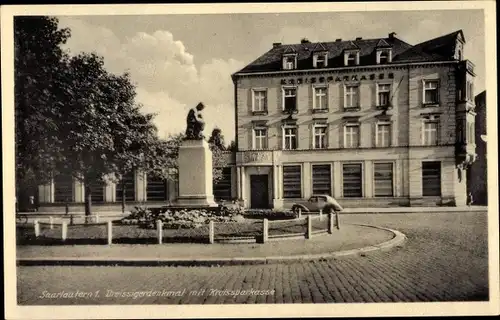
(459,54)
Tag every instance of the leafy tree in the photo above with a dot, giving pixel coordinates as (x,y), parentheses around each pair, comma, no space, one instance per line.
(232,146)
(217,139)
(37,103)
(105,134)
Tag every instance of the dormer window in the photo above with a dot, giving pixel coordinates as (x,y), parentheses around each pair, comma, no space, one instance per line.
(351,58)
(384,56)
(320,60)
(290,62)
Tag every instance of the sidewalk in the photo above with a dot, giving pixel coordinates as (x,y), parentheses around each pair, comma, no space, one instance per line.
(350,239)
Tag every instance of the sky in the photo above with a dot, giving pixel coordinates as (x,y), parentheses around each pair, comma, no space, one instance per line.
(179,60)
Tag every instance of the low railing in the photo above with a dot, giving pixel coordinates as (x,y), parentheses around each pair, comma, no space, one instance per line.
(306,227)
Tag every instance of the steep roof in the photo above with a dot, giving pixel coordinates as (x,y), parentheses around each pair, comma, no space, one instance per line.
(438,49)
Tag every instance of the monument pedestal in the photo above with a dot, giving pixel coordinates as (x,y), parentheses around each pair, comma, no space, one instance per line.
(195,175)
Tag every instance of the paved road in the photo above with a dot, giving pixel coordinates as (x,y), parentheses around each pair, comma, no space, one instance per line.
(444,259)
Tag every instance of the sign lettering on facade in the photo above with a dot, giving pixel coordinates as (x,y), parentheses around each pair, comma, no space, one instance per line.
(345,78)
(259,157)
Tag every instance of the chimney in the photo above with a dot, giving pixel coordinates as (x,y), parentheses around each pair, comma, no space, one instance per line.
(338,40)
(391,35)
(358,38)
(304,40)
(276,44)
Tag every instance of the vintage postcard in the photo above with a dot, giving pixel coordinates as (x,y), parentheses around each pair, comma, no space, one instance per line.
(249,160)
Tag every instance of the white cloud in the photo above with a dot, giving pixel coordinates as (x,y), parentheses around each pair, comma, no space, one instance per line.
(168,81)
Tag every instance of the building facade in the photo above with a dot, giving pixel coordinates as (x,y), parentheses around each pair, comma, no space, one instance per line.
(374,122)
(477,181)
(371,122)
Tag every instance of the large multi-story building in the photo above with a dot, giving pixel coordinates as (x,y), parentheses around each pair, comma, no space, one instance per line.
(372,122)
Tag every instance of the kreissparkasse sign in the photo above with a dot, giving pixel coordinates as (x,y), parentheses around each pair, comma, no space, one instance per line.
(339,78)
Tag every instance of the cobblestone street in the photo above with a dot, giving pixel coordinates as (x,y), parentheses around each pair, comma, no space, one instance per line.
(444,259)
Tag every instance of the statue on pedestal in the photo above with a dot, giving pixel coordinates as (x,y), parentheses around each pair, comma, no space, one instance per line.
(195,123)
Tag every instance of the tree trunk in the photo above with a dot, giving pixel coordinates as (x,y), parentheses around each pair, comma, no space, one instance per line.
(88,202)
(123,197)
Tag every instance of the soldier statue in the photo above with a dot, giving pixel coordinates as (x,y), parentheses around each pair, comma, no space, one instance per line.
(195,123)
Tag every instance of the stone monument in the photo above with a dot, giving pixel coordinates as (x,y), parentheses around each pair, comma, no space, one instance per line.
(195,164)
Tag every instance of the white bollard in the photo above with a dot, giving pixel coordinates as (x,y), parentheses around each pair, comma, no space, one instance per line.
(37,228)
(211,232)
(265,230)
(159,229)
(51,222)
(320,214)
(64,230)
(96,218)
(110,232)
(300,212)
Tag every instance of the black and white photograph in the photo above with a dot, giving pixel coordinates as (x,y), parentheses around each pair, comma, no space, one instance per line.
(220,160)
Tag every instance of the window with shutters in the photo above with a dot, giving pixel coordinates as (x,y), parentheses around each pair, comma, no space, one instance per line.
(383,179)
(352,180)
(63,188)
(156,189)
(292,181)
(129,181)
(321,179)
(431,178)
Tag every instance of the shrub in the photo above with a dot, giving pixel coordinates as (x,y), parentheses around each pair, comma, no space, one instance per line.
(175,218)
(269,214)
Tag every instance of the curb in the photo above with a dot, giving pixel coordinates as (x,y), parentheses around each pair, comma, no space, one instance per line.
(399,238)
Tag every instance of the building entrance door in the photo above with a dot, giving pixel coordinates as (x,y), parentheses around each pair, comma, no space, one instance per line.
(259,192)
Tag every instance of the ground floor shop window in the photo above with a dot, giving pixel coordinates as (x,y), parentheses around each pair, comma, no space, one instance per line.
(431,178)
(321,179)
(352,180)
(292,186)
(383,179)
(156,189)
(129,182)
(63,188)
(97,191)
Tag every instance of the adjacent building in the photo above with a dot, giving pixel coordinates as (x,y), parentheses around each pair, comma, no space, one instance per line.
(372,122)
(477,180)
